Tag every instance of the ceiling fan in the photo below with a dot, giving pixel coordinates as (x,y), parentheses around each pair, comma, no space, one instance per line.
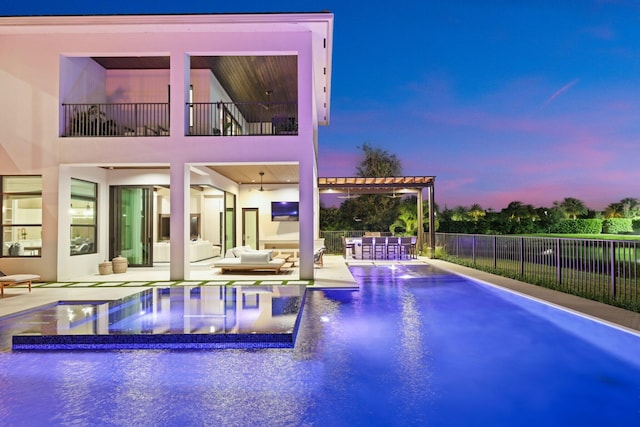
(349,195)
(262,183)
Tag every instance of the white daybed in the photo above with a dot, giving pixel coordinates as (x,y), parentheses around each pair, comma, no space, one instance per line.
(249,260)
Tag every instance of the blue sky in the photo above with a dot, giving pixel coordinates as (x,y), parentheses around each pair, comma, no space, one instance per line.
(529,100)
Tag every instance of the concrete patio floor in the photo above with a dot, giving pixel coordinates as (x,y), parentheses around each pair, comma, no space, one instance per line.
(333,274)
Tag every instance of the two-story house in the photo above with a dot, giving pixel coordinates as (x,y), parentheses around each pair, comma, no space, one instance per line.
(159,137)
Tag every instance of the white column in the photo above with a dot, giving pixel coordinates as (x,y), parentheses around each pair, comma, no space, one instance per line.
(179,212)
(179,171)
(308,161)
(179,80)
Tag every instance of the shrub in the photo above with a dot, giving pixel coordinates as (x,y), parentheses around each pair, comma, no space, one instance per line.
(635,224)
(578,226)
(617,225)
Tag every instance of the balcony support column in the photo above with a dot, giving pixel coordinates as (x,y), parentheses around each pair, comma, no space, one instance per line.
(179,81)
(179,227)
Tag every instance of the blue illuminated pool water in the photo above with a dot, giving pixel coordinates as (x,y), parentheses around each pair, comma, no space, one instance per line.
(414,346)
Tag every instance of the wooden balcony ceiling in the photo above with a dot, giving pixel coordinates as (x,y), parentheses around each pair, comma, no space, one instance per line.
(285,173)
(245,78)
(250,173)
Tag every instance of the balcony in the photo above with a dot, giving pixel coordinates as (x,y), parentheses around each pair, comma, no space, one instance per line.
(113,120)
(205,119)
(242,118)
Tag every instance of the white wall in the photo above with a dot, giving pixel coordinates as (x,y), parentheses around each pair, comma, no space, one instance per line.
(250,197)
(211,221)
(70,267)
(82,81)
(137,86)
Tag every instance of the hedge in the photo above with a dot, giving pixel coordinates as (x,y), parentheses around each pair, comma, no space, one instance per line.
(578,226)
(617,225)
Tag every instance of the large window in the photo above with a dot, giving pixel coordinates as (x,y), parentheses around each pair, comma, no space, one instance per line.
(83,217)
(21,215)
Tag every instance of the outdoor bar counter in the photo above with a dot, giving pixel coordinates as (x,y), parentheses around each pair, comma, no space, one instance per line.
(380,247)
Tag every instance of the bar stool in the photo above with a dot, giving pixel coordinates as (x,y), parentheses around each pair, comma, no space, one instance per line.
(405,248)
(393,247)
(379,247)
(414,244)
(367,247)
(348,247)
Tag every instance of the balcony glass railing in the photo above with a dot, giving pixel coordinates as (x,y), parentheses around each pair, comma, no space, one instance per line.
(242,118)
(138,119)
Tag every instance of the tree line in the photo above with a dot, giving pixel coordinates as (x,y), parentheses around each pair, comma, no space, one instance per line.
(570,215)
(398,214)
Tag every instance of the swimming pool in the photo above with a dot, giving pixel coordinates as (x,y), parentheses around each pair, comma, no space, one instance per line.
(415,346)
(178,317)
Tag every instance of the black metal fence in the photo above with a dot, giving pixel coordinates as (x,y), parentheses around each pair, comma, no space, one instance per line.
(139,119)
(242,118)
(605,270)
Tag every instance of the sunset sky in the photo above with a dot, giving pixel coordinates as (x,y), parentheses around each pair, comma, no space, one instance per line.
(528,100)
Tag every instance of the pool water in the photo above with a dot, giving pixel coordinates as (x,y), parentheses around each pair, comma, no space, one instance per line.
(179,317)
(415,346)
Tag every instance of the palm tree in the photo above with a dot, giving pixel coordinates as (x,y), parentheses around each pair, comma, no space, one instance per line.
(614,210)
(572,207)
(516,210)
(406,224)
(476,211)
(630,207)
(459,213)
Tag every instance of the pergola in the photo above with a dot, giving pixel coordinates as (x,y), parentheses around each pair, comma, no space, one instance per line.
(385,185)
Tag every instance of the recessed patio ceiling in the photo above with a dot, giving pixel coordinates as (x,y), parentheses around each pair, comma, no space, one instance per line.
(245,78)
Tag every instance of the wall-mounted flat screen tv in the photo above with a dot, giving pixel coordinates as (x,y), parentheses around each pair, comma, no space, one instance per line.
(284,211)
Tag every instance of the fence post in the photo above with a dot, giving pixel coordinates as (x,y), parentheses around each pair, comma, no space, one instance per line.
(612,253)
(521,242)
(473,249)
(495,251)
(558,262)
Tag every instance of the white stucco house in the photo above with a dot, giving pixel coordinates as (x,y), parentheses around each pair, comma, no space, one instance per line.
(159,137)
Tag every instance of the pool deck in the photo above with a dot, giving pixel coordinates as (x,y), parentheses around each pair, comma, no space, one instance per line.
(333,274)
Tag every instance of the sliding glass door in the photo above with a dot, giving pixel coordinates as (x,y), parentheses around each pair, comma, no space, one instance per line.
(131,225)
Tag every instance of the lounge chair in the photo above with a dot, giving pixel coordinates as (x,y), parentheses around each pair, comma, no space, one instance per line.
(317,256)
(15,279)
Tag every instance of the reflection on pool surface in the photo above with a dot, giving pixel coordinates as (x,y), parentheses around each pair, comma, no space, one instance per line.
(413,347)
(176,317)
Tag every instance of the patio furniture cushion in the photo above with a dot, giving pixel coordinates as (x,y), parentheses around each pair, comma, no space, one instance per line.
(260,262)
(16,279)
